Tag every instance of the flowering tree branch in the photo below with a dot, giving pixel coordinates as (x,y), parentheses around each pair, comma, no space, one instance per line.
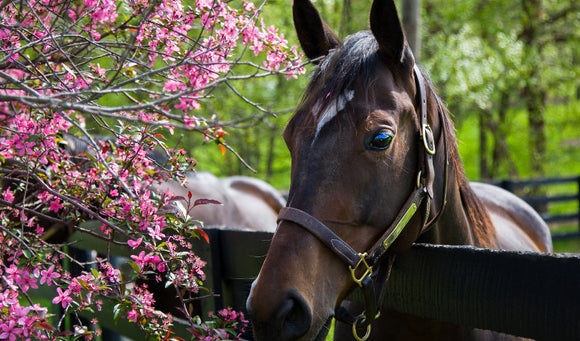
(136,70)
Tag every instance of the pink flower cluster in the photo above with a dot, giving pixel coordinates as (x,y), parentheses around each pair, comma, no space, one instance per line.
(225,319)
(18,320)
(66,63)
(212,58)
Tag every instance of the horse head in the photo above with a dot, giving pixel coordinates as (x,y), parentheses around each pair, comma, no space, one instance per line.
(363,149)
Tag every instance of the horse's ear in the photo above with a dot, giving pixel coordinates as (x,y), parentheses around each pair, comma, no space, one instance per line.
(388,32)
(315,37)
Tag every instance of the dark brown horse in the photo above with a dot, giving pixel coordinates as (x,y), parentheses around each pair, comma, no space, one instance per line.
(375,167)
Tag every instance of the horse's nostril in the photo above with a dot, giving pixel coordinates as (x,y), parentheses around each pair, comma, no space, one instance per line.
(294,317)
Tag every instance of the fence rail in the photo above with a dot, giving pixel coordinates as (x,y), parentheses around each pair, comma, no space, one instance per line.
(526,294)
(533,191)
(523,293)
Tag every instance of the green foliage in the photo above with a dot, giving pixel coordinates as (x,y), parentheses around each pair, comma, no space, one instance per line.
(563,121)
(476,55)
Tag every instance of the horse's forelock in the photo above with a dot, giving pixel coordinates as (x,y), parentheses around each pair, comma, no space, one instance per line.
(333,82)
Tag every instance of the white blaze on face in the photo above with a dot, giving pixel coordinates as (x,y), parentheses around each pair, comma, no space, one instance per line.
(331,109)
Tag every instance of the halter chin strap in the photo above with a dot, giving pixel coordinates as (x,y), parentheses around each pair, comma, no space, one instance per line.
(362,265)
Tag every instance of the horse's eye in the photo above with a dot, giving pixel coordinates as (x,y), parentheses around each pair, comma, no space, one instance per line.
(381,140)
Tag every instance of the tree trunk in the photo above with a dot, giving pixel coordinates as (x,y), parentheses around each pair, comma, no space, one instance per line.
(501,152)
(346,19)
(484,124)
(274,135)
(534,94)
(536,105)
(412,25)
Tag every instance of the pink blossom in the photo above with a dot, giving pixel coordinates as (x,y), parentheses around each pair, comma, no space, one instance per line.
(44,196)
(203,4)
(134,243)
(248,6)
(9,297)
(10,331)
(99,70)
(75,286)
(55,205)
(26,281)
(132,316)
(8,195)
(189,121)
(258,46)
(140,259)
(155,232)
(172,85)
(72,15)
(63,297)
(48,275)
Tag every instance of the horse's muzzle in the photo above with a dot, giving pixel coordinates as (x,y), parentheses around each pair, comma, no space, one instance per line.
(290,321)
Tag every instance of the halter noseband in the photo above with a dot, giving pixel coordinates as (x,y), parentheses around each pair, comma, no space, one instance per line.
(373,282)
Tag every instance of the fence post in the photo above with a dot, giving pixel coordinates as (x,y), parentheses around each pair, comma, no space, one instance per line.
(507,185)
(578,194)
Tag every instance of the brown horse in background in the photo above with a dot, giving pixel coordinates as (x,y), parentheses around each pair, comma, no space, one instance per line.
(375,167)
(245,202)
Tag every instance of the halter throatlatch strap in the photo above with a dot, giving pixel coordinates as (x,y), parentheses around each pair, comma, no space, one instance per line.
(362,265)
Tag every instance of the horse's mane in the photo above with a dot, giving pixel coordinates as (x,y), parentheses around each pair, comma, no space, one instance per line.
(479,219)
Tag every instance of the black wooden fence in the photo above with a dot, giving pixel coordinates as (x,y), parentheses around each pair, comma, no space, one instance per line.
(523,293)
(534,192)
(527,294)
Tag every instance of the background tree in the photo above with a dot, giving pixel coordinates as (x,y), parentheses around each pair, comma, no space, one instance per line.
(476,55)
(412,25)
(492,58)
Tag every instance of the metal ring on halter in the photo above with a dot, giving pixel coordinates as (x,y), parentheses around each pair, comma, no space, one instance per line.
(354,332)
(428,139)
(419,179)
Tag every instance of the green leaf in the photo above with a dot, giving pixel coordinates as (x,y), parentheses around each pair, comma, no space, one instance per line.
(118,311)
(26,253)
(135,266)
(83,284)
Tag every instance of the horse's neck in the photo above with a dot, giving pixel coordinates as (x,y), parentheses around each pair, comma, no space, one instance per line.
(453,226)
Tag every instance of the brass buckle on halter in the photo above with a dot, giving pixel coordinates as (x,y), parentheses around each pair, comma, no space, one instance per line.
(368,270)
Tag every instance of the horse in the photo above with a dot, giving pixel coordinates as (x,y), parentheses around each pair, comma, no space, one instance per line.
(239,202)
(375,168)
(244,202)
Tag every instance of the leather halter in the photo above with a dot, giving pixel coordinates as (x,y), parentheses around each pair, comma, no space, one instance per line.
(373,282)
